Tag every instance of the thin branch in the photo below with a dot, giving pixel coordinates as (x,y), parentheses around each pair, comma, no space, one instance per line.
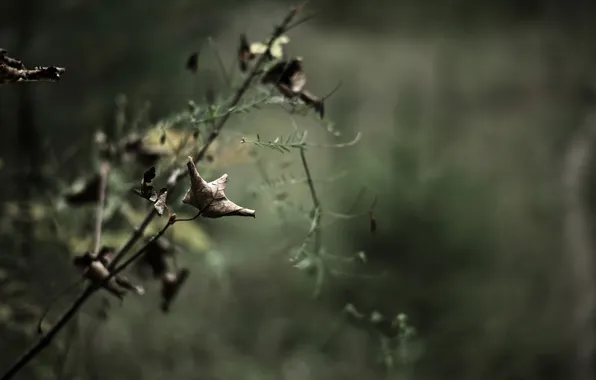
(104,171)
(309,180)
(315,225)
(13,70)
(46,339)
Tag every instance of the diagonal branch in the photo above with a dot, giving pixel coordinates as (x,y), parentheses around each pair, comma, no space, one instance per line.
(181,174)
(47,338)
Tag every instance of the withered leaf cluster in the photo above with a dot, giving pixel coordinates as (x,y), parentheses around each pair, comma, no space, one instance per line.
(13,70)
(290,79)
(210,197)
(287,75)
(159,199)
(94,267)
(155,260)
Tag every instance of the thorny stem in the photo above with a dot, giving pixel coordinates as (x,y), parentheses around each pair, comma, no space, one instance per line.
(47,338)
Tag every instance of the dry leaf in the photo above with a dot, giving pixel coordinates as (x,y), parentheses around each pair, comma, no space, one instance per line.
(155,258)
(289,73)
(170,286)
(244,54)
(94,270)
(290,79)
(313,101)
(276,49)
(210,197)
(105,254)
(160,201)
(13,70)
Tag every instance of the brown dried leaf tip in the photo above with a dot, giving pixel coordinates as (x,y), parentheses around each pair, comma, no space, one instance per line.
(290,79)
(159,199)
(94,268)
(13,70)
(210,196)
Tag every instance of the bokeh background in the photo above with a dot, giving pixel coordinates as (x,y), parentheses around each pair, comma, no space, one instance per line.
(465,109)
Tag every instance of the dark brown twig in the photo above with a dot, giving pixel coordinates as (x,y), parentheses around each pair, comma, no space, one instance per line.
(13,70)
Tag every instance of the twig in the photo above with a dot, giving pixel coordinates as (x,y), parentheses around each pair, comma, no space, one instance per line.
(12,70)
(104,171)
(45,340)
(309,180)
(316,223)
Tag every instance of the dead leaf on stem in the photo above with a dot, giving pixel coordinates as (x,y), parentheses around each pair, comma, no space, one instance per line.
(94,269)
(210,197)
(290,79)
(159,199)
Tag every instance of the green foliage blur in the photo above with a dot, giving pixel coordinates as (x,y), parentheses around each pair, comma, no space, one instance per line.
(464,112)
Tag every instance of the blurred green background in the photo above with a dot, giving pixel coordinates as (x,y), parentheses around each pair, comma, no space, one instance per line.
(465,110)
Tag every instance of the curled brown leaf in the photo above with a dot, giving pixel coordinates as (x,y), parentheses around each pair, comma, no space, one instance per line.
(210,196)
